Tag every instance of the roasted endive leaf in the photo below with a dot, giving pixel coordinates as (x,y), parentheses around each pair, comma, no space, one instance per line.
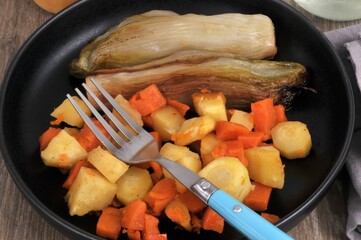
(180,75)
(157,34)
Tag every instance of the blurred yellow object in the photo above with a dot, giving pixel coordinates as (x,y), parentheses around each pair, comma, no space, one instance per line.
(53,6)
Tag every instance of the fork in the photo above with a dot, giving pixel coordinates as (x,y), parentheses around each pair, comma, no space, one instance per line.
(139,146)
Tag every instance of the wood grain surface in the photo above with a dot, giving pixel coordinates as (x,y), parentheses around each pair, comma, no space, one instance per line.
(18,20)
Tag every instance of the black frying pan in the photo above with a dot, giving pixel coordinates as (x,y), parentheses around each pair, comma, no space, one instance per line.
(38,80)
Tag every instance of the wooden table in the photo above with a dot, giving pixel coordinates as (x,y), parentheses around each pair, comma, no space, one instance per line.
(18,19)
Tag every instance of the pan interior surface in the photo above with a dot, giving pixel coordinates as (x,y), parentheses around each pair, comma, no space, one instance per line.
(38,80)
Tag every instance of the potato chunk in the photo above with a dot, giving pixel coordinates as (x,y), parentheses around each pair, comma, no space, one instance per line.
(111,167)
(194,129)
(228,174)
(265,166)
(184,157)
(243,118)
(91,191)
(129,109)
(68,114)
(208,143)
(167,121)
(211,104)
(135,183)
(292,139)
(63,151)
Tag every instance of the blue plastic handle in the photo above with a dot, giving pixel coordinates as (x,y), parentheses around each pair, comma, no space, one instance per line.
(248,222)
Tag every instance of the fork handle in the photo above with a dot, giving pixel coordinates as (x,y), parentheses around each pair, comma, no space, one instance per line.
(251,224)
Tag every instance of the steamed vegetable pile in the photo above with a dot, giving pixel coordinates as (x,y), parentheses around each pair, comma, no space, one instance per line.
(188,84)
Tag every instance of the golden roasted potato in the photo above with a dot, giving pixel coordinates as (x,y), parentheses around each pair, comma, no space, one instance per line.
(133,184)
(111,167)
(208,143)
(167,121)
(265,166)
(228,174)
(67,113)
(91,191)
(243,118)
(184,157)
(292,139)
(211,104)
(63,151)
(193,129)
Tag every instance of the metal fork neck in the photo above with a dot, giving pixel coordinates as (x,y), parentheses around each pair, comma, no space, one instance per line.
(203,189)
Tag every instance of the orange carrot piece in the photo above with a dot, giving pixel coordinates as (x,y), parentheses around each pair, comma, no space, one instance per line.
(212,221)
(252,139)
(196,223)
(191,201)
(230,149)
(258,198)
(178,213)
(150,225)
(181,107)
(133,215)
(157,174)
(264,116)
(58,120)
(280,113)
(148,100)
(46,137)
(162,236)
(226,131)
(148,121)
(134,235)
(162,193)
(74,172)
(157,138)
(272,218)
(109,223)
(87,139)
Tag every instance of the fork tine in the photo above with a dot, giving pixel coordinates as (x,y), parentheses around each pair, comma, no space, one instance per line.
(111,116)
(135,126)
(102,138)
(103,122)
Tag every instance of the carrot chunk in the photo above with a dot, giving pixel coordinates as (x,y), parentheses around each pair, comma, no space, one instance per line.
(157,237)
(178,213)
(58,120)
(258,198)
(181,107)
(157,138)
(133,215)
(87,138)
(148,100)
(212,221)
(157,174)
(191,201)
(264,116)
(151,230)
(109,223)
(134,235)
(74,172)
(162,193)
(252,139)
(280,113)
(230,149)
(226,131)
(46,137)
(272,218)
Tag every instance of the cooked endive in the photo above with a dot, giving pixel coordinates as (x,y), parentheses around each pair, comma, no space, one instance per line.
(156,34)
(180,75)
